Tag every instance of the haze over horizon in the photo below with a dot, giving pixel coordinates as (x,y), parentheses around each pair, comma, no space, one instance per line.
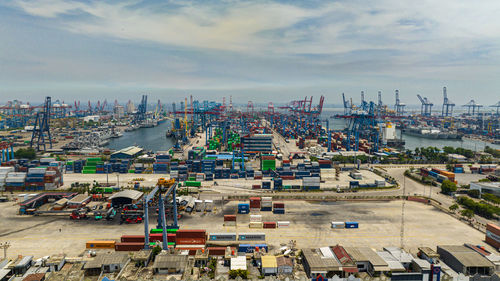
(253,50)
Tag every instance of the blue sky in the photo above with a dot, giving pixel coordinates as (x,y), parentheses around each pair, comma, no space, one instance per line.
(253,50)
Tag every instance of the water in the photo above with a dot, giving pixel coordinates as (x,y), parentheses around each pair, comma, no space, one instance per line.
(148,138)
(154,138)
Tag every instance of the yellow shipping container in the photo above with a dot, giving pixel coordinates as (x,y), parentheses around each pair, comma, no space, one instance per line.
(101,244)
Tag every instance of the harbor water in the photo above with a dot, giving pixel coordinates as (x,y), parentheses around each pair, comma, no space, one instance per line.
(154,138)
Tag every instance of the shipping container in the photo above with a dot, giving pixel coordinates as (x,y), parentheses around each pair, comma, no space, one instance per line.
(129,246)
(252,237)
(105,244)
(222,236)
(351,224)
(338,224)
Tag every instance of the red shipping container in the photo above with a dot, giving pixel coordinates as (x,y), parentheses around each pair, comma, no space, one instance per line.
(229,218)
(288,177)
(190,241)
(257,177)
(256,186)
(191,233)
(279,205)
(132,239)
(129,246)
(269,225)
(216,251)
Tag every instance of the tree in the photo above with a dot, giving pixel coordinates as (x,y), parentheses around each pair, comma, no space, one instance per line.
(448,187)
(473,193)
(453,207)
(469,214)
(29,153)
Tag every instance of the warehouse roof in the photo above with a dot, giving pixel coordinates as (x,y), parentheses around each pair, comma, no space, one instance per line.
(170,261)
(318,262)
(393,263)
(284,261)
(79,198)
(130,151)
(34,277)
(104,259)
(466,256)
(239,262)
(269,261)
(128,193)
(366,254)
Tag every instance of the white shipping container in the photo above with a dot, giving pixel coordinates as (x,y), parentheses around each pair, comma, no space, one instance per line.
(5,170)
(283,223)
(230,223)
(36,170)
(266,204)
(269,199)
(338,224)
(256,218)
(17,180)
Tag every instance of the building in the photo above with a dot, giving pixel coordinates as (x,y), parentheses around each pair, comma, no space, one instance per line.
(119,111)
(367,260)
(35,277)
(107,263)
(457,157)
(23,265)
(127,153)
(269,265)
(239,262)
(348,265)
(258,143)
(428,254)
(93,118)
(486,187)
(464,260)
(56,262)
(315,264)
(285,265)
(127,196)
(78,201)
(493,235)
(170,264)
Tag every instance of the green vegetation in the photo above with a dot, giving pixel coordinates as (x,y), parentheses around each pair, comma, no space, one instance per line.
(473,193)
(491,198)
(462,151)
(28,153)
(469,214)
(156,250)
(479,208)
(453,207)
(420,179)
(492,151)
(447,187)
(233,274)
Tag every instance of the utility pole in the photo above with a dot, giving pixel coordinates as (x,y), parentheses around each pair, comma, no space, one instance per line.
(402,233)
(5,246)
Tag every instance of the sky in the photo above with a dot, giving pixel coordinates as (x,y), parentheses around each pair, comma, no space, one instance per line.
(252,50)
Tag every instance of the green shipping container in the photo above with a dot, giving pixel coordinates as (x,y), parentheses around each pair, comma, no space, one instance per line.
(192,183)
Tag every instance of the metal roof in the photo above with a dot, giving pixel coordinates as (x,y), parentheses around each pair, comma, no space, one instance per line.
(269,262)
(467,257)
(128,193)
(131,151)
(239,262)
(170,261)
(105,259)
(80,198)
(365,254)
(319,263)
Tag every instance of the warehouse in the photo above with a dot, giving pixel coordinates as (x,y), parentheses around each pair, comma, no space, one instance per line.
(486,187)
(367,260)
(348,266)
(285,265)
(128,196)
(78,201)
(269,265)
(170,264)
(464,260)
(106,263)
(127,153)
(316,264)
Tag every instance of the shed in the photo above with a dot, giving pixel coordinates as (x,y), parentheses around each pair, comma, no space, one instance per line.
(170,264)
(348,265)
(465,260)
(367,260)
(34,277)
(78,201)
(239,262)
(56,262)
(127,153)
(23,265)
(285,265)
(107,263)
(392,262)
(124,197)
(269,265)
(316,264)
(4,273)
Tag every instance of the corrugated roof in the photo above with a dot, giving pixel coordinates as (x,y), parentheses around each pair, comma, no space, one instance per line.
(365,254)
(318,262)
(128,193)
(170,261)
(269,262)
(79,198)
(239,263)
(284,261)
(466,256)
(131,150)
(104,259)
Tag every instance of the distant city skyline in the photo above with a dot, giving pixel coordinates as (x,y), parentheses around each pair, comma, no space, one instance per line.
(253,50)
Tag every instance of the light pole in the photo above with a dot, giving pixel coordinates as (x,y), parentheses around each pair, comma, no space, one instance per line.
(5,246)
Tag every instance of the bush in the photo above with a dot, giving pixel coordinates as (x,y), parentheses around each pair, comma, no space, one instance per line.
(480,208)
(491,198)
(448,187)
(473,193)
(29,153)
(239,272)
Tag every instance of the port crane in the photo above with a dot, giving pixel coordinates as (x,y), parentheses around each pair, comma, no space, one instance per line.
(399,107)
(447,105)
(162,221)
(497,105)
(41,128)
(426,107)
(140,115)
(474,106)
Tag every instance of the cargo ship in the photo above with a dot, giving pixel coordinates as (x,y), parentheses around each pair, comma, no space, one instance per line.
(431,133)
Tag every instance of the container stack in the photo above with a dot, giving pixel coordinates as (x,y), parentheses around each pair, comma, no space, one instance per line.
(3,176)
(35,179)
(255,221)
(278,183)
(53,178)
(266,185)
(458,169)
(183,171)
(257,175)
(311,183)
(200,177)
(90,165)
(278,207)
(266,204)
(268,162)
(208,166)
(254,204)
(325,164)
(15,181)
(161,164)
(174,170)
(380,183)
(190,237)
(229,220)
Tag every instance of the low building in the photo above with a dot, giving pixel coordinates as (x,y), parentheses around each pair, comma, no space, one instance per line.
(428,254)
(269,265)
(23,265)
(348,265)
(367,260)
(464,260)
(106,263)
(239,262)
(34,277)
(127,153)
(457,157)
(170,264)
(285,265)
(93,118)
(56,262)
(315,264)
(486,187)
(78,201)
(127,196)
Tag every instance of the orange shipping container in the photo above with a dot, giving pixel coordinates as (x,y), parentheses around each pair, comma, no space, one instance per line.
(105,244)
